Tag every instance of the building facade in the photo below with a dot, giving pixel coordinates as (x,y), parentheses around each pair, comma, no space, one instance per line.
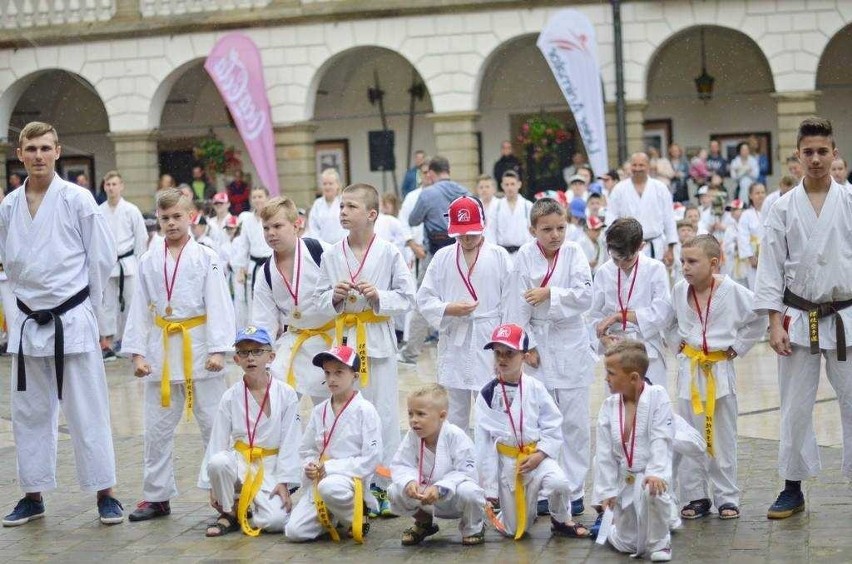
(123,80)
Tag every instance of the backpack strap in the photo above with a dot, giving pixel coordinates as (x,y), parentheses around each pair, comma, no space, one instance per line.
(315,248)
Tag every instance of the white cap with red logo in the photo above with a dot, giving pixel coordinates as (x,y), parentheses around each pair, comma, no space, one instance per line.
(465,217)
(341,353)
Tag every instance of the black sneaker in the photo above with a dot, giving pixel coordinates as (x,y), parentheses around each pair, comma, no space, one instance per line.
(788,503)
(109,355)
(577,507)
(542,507)
(150,510)
(26,510)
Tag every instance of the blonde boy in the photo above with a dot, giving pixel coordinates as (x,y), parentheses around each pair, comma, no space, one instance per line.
(179,328)
(364,282)
(434,472)
(341,448)
(258,412)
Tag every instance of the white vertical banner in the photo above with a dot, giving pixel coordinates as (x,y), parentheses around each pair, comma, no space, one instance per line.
(568,44)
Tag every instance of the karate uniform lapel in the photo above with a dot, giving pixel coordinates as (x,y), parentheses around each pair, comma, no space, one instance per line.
(817,231)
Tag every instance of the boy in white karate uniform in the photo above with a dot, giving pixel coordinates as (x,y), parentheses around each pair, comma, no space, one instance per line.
(551,290)
(713,324)
(248,253)
(283,303)
(512,215)
(462,296)
(518,438)
(804,267)
(735,265)
(341,447)
(365,282)
(634,456)
(434,472)
(131,241)
(750,231)
(179,328)
(685,231)
(253,445)
(631,297)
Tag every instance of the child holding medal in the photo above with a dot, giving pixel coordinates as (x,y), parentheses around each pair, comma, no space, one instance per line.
(364,281)
(462,296)
(283,303)
(179,327)
(551,290)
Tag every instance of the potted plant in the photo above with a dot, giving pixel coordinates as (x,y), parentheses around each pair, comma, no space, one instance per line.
(546,142)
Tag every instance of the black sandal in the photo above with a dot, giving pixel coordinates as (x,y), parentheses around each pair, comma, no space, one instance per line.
(729,507)
(699,507)
(223,525)
(575,531)
(416,534)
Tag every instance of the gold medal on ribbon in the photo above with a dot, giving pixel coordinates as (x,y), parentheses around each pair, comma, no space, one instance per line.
(169,310)
(630,479)
(352,298)
(297,314)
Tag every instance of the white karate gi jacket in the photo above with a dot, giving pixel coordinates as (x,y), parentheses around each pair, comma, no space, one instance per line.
(455,461)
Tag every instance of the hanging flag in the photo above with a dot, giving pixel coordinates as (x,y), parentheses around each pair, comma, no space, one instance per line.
(235,67)
(569,46)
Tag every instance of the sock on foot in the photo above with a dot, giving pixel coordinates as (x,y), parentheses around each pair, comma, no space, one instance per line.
(793,485)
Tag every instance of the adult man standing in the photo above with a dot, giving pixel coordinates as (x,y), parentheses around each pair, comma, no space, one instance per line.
(201,187)
(716,161)
(430,210)
(650,202)
(58,255)
(411,180)
(507,161)
(804,285)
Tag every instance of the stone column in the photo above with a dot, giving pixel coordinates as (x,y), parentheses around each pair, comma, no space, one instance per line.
(611,120)
(793,107)
(5,153)
(296,156)
(634,116)
(455,139)
(136,159)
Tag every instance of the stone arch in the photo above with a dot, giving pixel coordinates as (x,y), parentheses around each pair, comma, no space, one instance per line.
(69,102)
(340,107)
(835,87)
(742,101)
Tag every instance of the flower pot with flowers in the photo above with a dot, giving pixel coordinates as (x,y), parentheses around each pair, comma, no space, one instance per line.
(547,145)
(212,154)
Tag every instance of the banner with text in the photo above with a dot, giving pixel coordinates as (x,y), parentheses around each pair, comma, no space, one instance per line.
(235,67)
(569,46)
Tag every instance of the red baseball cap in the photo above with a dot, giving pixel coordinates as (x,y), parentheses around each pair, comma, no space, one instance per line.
(198,219)
(220,198)
(342,353)
(510,335)
(594,222)
(735,205)
(465,217)
(232,222)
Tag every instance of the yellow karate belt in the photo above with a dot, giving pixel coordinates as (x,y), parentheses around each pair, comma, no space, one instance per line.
(303,335)
(755,245)
(360,321)
(324,516)
(252,482)
(519,454)
(171,327)
(698,359)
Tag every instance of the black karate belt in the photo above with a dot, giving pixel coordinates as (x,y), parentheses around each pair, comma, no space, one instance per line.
(258,262)
(651,245)
(438,240)
(43,317)
(128,254)
(815,313)
(512,249)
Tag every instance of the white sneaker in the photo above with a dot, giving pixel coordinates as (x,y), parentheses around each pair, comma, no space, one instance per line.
(664,555)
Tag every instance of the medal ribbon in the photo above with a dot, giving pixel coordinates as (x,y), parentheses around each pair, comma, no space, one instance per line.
(326,437)
(294,290)
(354,277)
(253,480)
(468,282)
(550,268)
(628,455)
(703,319)
(622,306)
(170,287)
(428,480)
(517,431)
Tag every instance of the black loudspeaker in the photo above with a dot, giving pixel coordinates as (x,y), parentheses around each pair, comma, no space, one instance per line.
(381,151)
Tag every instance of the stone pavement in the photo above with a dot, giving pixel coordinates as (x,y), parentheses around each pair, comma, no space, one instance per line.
(71,533)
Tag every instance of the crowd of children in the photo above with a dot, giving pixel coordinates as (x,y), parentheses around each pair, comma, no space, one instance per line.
(524,302)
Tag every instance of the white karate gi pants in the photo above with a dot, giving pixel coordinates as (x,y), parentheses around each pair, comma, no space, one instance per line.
(241,306)
(7,298)
(418,327)
(574,456)
(647,529)
(383,393)
(460,402)
(657,372)
(467,504)
(158,482)
(721,469)
(338,493)
(798,377)
(546,481)
(35,421)
(226,470)
(112,320)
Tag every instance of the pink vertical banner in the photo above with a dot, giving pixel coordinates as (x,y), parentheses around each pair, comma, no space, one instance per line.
(235,67)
